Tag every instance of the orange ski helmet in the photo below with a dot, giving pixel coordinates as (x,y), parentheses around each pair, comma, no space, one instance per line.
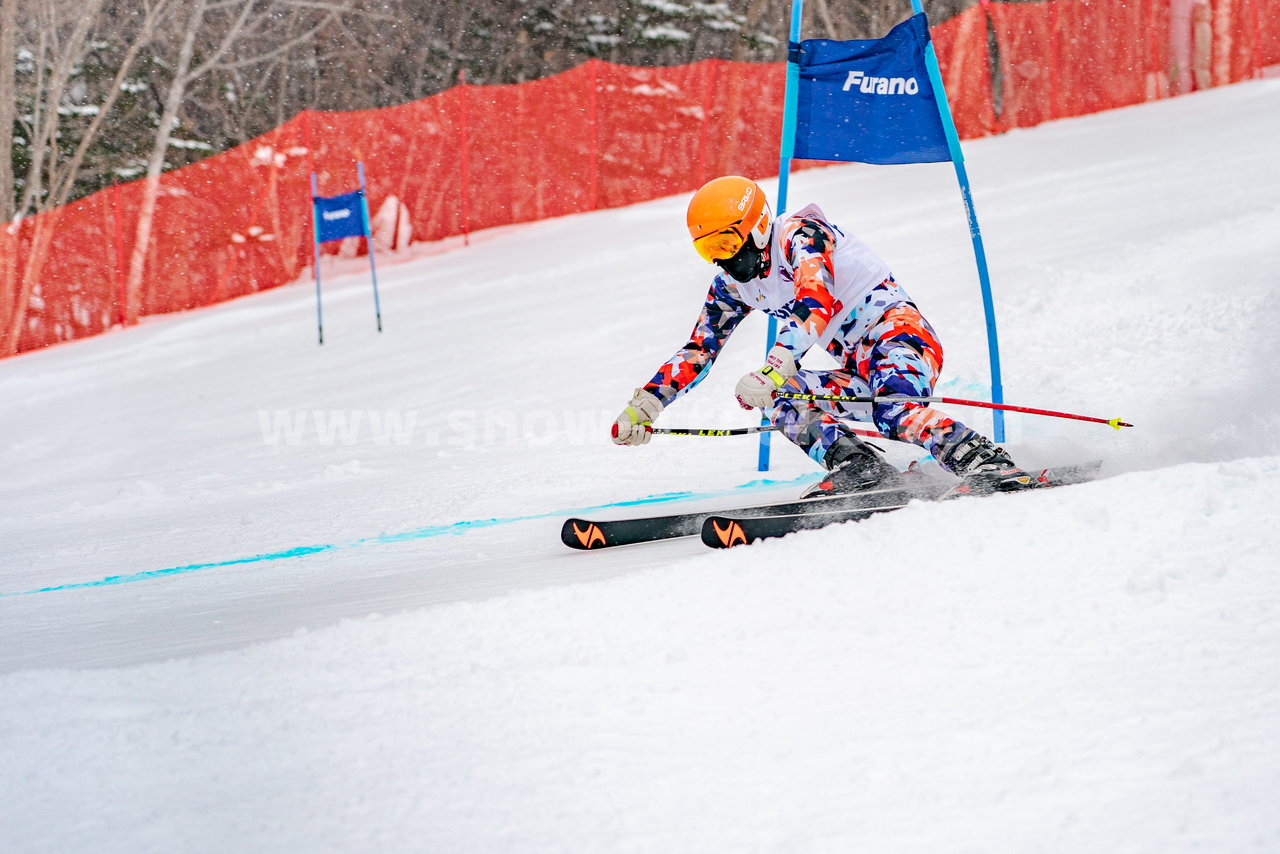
(724,213)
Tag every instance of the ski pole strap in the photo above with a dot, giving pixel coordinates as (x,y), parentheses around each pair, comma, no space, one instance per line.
(1110,422)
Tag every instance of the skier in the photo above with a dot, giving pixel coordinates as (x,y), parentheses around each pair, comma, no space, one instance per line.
(828,290)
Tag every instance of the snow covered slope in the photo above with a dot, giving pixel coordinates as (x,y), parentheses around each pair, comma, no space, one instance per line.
(261,595)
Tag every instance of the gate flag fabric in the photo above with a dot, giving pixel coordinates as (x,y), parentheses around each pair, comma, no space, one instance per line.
(869,100)
(338,217)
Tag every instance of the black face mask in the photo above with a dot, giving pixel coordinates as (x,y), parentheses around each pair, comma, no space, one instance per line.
(746,264)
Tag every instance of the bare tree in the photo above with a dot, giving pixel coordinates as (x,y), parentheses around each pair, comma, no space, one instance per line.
(153,11)
(233,21)
(63,36)
(8,103)
(60,113)
(62,44)
(755,13)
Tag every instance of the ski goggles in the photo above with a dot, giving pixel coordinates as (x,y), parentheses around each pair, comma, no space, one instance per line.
(722,244)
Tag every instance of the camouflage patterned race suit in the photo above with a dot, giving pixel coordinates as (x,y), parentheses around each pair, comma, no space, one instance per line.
(830,290)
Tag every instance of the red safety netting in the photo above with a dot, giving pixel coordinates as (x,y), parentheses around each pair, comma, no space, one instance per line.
(1264,15)
(1059,59)
(1062,59)
(961,45)
(597,136)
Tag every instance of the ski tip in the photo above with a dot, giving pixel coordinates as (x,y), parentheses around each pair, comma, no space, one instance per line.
(581,534)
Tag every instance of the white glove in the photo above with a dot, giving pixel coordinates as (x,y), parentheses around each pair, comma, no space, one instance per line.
(635,425)
(757,388)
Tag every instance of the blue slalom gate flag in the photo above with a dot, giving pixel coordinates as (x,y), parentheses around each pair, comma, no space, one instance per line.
(869,100)
(877,101)
(340,216)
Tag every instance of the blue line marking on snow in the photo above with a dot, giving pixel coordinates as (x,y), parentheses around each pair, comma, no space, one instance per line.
(454,528)
(111,580)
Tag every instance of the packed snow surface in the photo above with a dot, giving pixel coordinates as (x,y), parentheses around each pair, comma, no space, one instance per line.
(261,595)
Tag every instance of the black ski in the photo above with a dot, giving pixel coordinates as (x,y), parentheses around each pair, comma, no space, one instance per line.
(722,532)
(599,534)
(726,530)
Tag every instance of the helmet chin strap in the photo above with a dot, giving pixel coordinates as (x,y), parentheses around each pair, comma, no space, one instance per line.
(766,258)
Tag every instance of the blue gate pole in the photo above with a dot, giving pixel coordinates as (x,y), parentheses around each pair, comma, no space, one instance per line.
(368,236)
(784,175)
(315,234)
(979,254)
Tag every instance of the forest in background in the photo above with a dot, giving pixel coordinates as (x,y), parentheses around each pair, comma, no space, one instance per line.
(103,91)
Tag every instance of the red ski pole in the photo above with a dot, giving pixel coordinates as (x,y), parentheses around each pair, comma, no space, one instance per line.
(1111,422)
(737,431)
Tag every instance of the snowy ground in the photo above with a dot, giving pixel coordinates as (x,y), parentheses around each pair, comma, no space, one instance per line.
(228,622)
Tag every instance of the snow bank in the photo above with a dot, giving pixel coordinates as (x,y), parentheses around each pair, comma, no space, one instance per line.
(1057,672)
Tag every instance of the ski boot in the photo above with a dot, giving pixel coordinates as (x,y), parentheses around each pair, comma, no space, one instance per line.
(984,468)
(853,467)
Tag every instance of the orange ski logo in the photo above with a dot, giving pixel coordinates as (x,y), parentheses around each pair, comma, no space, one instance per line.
(731,535)
(589,537)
